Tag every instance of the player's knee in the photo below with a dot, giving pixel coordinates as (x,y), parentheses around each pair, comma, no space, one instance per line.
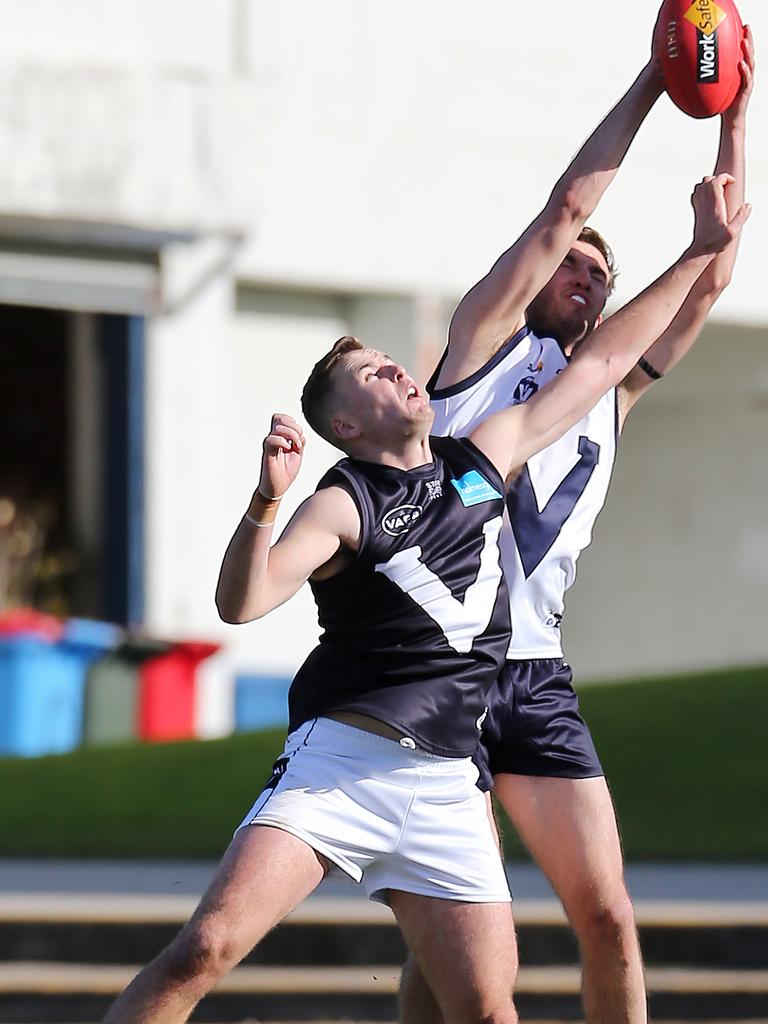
(200,953)
(605,920)
(489,1004)
(504,1014)
(413,984)
(417,1004)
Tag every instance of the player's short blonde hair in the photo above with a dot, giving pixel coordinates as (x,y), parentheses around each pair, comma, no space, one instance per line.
(317,395)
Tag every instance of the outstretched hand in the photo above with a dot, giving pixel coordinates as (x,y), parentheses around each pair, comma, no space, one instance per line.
(713,231)
(282,453)
(738,108)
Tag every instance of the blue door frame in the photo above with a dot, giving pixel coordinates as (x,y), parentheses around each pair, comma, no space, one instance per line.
(123,341)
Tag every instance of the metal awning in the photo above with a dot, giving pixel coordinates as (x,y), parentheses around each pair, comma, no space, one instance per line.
(80,265)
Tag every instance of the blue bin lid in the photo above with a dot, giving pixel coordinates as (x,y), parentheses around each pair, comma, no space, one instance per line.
(91,635)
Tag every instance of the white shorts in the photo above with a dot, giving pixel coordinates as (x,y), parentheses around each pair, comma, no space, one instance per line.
(385,815)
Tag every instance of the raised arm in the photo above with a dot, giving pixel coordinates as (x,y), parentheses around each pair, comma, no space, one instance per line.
(494,309)
(510,437)
(254,577)
(670,348)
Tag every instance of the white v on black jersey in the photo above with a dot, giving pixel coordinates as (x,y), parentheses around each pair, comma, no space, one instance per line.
(416,627)
(553,504)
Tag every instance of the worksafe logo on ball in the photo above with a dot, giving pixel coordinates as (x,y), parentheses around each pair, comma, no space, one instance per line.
(707,59)
(706,16)
(400,519)
(473,489)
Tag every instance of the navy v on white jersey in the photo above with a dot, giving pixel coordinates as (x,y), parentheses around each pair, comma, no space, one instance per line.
(553,504)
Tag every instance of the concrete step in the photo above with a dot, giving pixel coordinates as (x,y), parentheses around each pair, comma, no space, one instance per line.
(46,992)
(67,956)
(327,932)
(111,979)
(127,908)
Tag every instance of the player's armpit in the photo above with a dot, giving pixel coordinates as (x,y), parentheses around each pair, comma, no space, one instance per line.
(255,578)
(324,523)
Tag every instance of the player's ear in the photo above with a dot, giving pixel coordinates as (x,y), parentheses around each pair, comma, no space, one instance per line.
(599,320)
(344,430)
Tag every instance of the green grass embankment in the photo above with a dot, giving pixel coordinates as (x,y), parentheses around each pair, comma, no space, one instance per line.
(687,760)
(142,800)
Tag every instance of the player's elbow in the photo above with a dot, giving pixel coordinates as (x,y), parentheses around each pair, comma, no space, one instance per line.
(569,201)
(234,613)
(564,210)
(721,278)
(229,615)
(599,373)
(599,370)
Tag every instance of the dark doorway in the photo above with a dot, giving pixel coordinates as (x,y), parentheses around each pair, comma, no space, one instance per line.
(36,556)
(71,463)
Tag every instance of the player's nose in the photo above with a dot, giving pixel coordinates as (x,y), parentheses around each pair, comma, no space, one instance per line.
(582,279)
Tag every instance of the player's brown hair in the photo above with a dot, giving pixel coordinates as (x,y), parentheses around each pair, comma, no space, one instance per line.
(592,237)
(317,392)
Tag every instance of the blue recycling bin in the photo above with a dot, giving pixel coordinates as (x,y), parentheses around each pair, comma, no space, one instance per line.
(42,683)
(261,702)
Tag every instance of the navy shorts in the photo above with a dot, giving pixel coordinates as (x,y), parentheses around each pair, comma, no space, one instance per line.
(533,725)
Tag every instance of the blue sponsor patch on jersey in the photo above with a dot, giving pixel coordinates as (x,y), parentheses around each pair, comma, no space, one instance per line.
(473,489)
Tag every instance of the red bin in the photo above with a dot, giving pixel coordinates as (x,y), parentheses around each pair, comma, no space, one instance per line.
(29,622)
(167,686)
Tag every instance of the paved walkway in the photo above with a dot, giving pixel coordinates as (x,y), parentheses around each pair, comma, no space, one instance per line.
(645,881)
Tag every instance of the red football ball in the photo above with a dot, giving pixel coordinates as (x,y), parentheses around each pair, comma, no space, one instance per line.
(699,45)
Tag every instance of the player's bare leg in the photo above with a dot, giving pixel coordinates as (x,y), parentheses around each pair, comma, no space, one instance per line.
(417,1003)
(466,952)
(263,875)
(569,826)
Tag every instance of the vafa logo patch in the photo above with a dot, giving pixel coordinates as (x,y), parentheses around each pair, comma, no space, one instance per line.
(400,519)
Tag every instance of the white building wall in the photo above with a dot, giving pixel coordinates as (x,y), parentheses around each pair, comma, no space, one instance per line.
(412,145)
(374,161)
(678,576)
(275,339)
(391,149)
(187,378)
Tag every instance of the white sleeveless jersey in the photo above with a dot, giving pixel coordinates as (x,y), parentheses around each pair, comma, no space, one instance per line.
(552,506)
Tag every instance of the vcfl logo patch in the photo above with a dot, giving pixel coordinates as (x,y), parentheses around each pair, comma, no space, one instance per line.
(707,59)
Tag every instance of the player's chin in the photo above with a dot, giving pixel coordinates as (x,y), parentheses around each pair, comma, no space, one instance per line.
(423,411)
(578,326)
(417,405)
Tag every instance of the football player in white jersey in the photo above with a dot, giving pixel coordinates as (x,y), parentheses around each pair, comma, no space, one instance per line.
(508,337)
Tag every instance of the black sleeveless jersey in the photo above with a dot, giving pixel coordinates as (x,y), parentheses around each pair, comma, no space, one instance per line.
(416,628)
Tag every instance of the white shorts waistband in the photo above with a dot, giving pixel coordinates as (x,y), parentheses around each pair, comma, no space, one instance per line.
(355,740)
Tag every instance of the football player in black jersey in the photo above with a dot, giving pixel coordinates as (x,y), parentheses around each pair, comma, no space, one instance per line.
(546,772)
(307,822)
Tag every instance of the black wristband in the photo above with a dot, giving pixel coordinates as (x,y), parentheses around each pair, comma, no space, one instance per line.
(646,367)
